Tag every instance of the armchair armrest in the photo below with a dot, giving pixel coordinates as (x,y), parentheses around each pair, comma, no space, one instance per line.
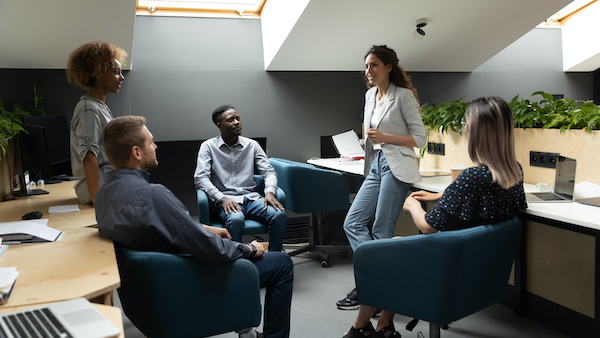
(203,207)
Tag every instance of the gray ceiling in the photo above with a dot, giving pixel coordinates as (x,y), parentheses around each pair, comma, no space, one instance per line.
(330,35)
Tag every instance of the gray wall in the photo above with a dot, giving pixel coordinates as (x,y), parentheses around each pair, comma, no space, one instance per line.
(530,64)
(185,67)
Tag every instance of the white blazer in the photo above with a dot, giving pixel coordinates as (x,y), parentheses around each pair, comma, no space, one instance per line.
(400,116)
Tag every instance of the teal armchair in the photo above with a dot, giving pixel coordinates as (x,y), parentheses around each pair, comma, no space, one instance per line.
(310,189)
(441,277)
(168,295)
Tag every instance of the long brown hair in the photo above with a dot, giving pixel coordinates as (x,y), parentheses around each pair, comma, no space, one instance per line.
(397,75)
(491,139)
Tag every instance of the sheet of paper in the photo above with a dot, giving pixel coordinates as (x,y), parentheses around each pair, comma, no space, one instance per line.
(63,208)
(348,144)
(586,189)
(8,276)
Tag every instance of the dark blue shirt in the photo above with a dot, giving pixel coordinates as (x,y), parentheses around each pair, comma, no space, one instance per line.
(474,199)
(148,217)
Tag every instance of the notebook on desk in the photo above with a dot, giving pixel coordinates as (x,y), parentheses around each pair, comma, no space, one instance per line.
(564,183)
(75,318)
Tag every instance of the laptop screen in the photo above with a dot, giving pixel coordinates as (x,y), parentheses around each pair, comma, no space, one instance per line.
(564,182)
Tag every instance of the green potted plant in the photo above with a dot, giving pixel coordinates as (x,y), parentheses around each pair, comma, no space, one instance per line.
(563,114)
(442,117)
(564,126)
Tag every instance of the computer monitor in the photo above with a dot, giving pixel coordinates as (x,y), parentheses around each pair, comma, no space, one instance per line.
(32,159)
(57,141)
(35,157)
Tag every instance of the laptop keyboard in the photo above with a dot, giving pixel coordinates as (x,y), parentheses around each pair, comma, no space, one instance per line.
(548,196)
(39,323)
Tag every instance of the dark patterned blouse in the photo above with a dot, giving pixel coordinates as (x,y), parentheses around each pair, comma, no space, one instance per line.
(474,199)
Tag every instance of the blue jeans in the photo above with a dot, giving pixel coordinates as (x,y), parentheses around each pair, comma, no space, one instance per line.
(276,220)
(276,273)
(382,195)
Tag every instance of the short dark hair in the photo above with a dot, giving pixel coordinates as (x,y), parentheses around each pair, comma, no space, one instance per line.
(120,136)
(220,110)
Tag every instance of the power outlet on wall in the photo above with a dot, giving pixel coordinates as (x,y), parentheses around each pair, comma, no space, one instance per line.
(436,148)
(542,159)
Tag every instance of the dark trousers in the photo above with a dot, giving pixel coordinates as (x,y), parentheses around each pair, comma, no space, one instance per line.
(276,273)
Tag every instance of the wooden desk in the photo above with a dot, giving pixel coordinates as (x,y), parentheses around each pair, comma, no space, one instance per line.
(113,314)
(82,264)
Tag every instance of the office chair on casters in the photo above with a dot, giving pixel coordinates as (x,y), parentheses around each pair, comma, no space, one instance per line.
(251,227)
(168,295)
(441,277)
(310,189)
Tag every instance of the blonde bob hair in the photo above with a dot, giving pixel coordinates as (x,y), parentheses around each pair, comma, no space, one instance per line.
(491,139)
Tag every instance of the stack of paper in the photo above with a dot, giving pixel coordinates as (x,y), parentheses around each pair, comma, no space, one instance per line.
(30,231)
(8,277)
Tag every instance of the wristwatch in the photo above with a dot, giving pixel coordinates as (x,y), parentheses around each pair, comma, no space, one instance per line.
(253,250)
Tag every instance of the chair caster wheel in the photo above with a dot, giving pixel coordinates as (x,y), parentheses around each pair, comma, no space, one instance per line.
(324,264)
(344,254)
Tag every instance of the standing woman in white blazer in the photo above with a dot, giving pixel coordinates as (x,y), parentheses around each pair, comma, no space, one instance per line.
(392,126)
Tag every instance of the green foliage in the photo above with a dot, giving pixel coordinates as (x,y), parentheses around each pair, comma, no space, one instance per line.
(11,122)
(560,114)
(443,117)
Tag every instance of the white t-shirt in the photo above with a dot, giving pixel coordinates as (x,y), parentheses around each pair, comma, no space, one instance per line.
(376,116)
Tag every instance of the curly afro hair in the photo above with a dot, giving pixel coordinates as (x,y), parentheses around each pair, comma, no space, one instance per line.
(91,60)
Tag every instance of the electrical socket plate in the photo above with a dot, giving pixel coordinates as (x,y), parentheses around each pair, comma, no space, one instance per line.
(436,148)
(542,159)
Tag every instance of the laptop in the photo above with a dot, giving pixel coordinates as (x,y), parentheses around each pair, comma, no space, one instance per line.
(348,146)
(75,318)
(564,183)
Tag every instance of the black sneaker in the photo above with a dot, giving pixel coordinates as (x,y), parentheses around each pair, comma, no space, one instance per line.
(348,303)
(377,313)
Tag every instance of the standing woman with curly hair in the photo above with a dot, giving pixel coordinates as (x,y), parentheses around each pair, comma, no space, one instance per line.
(393,126)
(96,67)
